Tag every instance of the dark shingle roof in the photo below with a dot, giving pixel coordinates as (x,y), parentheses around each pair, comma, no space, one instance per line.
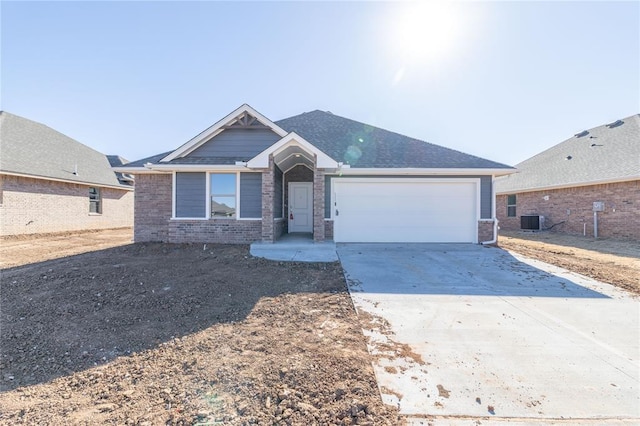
(362,145)
(610,152)
(359,145)
(31,148)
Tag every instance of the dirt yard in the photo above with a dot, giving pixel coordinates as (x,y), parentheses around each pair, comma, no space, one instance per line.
(96,330)
(612,261)
(148,334)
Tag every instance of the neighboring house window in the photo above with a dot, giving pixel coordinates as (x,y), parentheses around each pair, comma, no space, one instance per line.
(223,195)
(511,205)
(95,201)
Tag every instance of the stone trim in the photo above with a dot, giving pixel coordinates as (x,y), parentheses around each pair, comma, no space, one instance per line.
(268,182)
(318,204)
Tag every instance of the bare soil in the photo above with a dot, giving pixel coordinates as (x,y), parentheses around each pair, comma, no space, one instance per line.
(96,330)
(147,334)
(616,262)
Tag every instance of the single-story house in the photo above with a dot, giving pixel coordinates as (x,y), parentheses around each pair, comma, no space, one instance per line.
(589,182)
(247,178)
(50,183)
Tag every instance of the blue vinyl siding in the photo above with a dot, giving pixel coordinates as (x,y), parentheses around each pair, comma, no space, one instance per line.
(191,195)
(277,194)
(485,191)
(485,197)
(250,195)
(237,143)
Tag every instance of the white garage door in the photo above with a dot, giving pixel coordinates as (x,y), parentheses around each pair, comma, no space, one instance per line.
(405,210)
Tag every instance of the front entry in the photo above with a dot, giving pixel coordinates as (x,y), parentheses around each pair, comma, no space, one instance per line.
(300,207)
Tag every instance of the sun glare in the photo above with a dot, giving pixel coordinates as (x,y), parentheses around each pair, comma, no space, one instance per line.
(423,33)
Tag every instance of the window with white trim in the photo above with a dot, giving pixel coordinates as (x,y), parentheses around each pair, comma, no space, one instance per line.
(511,205)
(95,200)
(223,195)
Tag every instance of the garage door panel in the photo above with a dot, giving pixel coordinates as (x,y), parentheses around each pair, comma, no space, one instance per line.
(403,211)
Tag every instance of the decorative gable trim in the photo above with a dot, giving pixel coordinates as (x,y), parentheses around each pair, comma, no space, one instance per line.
(244,117)
(323,161)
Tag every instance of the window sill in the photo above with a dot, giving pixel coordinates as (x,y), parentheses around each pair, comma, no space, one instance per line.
(95,214)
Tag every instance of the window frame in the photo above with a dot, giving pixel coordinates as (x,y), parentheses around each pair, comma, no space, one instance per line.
(95,199)
(512,205)
(211,195)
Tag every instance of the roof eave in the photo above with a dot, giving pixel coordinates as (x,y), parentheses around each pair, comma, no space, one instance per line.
(568,185)
(77,182)
(426,171)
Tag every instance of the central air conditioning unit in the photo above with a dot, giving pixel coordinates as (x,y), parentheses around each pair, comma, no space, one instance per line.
(532,222)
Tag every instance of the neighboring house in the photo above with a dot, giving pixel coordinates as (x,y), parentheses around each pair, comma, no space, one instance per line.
(599,165)
(247,178)
(51,183)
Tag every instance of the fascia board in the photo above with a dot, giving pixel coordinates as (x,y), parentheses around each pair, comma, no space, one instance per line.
(196,168)
(425,171)
(76,182)
(205,135)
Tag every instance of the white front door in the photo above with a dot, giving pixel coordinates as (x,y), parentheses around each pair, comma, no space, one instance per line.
(300,207)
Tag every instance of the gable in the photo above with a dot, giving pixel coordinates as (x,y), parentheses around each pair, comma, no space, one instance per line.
(243,118)
(237,143)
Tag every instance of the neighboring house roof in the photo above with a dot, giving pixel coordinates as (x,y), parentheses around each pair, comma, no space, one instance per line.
(604,154)
(363,146)
(117,161)
(334,140)
(32,149)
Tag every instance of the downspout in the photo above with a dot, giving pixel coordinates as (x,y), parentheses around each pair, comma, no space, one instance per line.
(493,213)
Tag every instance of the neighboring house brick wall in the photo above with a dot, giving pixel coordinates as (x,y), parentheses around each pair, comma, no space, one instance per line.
(623,223)
(35,206)
(153,207)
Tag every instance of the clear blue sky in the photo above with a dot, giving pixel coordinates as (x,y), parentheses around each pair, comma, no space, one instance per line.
(501,80)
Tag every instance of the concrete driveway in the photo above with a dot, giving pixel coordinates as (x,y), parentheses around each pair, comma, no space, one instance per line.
(465,331)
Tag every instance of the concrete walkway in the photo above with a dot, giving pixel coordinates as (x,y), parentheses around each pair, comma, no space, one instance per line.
(296,248)
(465,332)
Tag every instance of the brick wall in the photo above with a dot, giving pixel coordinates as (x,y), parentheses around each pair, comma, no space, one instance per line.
(318,205)
(279,227)
(328,229)
(574,207)
(485,230)
(222,231)
(152,207)
(34,206)
(268,181)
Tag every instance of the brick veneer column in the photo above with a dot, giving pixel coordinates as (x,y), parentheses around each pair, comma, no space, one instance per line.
(318,203)
(268,180)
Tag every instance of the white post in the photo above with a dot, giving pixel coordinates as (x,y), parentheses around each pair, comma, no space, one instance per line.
(595,224)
